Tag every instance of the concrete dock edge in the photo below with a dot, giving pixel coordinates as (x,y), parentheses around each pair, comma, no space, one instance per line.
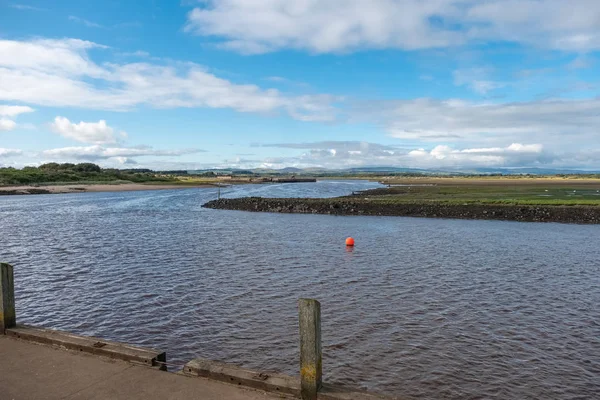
(137,355)
(270,382)
(220,371)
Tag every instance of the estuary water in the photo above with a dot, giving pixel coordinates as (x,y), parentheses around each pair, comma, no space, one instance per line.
(421,308)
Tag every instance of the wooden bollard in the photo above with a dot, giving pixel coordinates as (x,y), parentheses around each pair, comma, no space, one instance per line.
(7,298)
(311,364)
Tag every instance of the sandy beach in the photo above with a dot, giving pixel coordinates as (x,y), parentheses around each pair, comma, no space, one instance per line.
(79,188)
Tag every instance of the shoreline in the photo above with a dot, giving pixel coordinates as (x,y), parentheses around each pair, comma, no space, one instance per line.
(346,207)
(89,187)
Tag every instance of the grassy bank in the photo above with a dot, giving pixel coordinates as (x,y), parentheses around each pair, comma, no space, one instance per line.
(511,191)
(516,195)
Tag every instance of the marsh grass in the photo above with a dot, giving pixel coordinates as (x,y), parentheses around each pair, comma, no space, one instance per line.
(534,194)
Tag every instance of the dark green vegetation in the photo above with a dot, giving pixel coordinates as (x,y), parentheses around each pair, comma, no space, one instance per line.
(53,173)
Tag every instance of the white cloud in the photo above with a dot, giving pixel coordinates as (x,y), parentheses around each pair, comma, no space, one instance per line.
(476,79)
(25,7)
(514,155)
(9,152)
(36,71)
(85,22)
(86,132)
(259,26)
(129,24)
(49,58)
(97,152)
(580,62)
(13,111)
(125,161)
(276,79)
(344,146)
(256,26)
(7,124)
(552,122)
(138,53)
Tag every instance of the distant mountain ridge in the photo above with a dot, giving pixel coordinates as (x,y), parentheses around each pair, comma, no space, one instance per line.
(398,170)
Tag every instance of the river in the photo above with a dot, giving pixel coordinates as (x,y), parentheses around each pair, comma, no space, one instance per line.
(421,308)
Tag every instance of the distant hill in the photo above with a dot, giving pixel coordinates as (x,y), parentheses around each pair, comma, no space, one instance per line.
(383,170)
(290,170)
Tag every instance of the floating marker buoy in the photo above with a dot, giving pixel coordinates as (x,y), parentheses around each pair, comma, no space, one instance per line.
(350,242)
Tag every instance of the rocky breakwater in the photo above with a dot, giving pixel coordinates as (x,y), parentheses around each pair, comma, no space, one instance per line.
(346,206)
(15,192)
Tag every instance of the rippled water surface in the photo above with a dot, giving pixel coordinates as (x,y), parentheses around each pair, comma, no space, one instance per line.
(422,308)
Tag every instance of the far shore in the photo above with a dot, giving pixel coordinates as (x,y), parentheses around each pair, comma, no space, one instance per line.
(81,188)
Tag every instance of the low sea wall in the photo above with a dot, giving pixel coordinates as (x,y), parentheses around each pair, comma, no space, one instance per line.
(348,206)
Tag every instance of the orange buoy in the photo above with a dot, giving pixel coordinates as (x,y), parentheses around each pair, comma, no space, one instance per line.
(350,242)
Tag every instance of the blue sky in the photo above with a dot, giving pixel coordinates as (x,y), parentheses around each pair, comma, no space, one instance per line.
(337,83)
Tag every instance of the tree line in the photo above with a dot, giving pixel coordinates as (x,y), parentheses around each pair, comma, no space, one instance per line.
(82,172)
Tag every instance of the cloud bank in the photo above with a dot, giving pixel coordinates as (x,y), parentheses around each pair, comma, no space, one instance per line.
(552,122)
(345,154)
(97,152)
(35,71)
(259,26)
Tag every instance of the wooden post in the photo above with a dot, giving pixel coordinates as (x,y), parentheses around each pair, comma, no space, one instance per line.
(311,364)
(7,298)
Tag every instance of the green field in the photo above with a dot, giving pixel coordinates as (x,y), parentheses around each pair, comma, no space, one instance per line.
(533,191)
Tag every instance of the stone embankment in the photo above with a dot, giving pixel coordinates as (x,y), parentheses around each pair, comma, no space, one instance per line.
(346,206)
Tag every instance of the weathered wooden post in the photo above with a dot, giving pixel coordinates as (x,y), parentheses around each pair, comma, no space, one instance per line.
(7,298)
(311,365)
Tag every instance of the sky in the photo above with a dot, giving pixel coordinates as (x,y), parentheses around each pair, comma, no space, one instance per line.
(193,84)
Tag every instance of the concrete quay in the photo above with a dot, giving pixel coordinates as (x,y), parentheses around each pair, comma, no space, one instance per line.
(31,371)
